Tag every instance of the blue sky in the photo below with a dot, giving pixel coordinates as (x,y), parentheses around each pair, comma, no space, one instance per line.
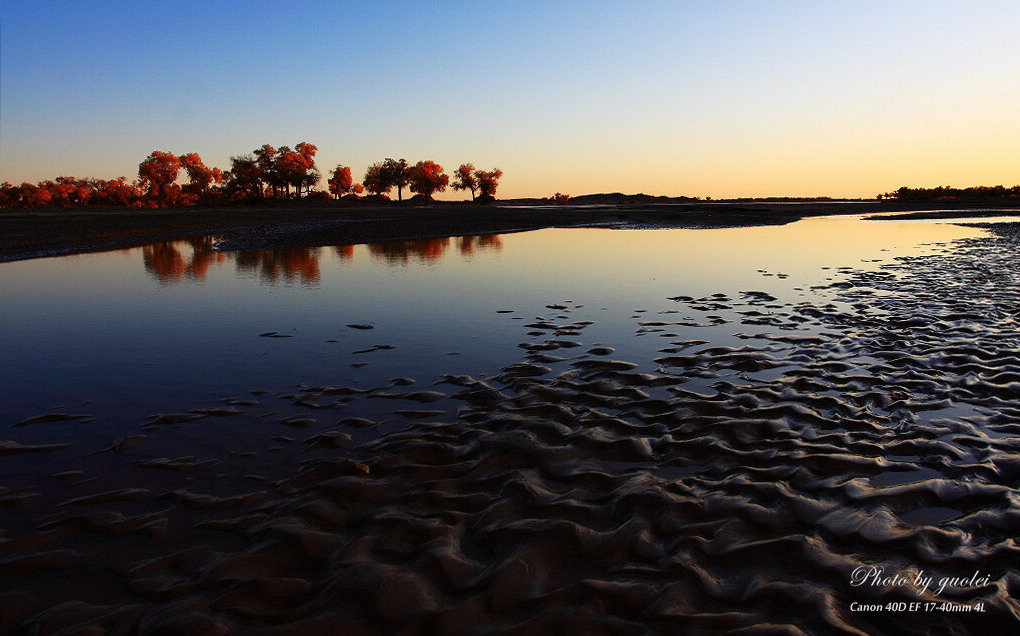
(682,98)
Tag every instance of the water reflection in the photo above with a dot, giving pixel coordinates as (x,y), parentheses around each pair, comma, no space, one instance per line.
(172,262)
(166,262)
(291,264)
(433,249)
(469,244)
(401,252)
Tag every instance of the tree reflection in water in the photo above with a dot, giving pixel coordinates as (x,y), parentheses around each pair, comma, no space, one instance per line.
(293,263)
(167,263)
(469,244)
(433,249)
(400,252)
(175,261)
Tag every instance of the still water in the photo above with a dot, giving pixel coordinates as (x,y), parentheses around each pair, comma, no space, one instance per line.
(123,334)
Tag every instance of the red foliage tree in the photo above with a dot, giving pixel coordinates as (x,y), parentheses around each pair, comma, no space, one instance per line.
(427,178)
(297,167)
(10,196)
(118,191)
(488,180)
(464,179)
(159,172)
(201,177)
(375,180)
(309,176)
(340,181)
(33,196)
(85,190)
(61,191)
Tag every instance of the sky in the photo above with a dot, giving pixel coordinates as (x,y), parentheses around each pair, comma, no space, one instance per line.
(708,99)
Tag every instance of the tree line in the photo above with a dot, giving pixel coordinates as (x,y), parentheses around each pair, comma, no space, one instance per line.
(264,173)
(946,192)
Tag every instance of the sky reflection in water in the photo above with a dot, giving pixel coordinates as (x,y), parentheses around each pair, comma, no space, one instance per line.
(175,325)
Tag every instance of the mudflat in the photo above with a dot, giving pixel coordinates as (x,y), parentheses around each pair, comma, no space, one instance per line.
(50,231)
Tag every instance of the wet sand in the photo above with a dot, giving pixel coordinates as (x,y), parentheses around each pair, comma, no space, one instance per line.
(737,489)
(47,232)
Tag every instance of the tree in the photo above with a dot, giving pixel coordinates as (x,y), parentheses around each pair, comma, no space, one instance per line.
(158,172)
(244,179)
(310,180)
(265,159)
(395,173)
(282,173)
(297,167)
(310,176)
(9,195)
(375,181)
(427,178)
(487,182)
(340,181)
(464,179)
(62,191)
(118,191)
(199,175)
(33,196)
(85,190)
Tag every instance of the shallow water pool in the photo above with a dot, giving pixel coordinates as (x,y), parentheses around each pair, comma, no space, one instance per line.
(178,323)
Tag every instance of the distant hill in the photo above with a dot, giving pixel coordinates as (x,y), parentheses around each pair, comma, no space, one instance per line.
(619,198)
(604,198)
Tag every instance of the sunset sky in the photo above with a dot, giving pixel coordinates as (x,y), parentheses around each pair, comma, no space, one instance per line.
(720,99)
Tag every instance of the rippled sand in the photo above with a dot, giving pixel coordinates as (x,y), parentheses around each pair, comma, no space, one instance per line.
(737,489)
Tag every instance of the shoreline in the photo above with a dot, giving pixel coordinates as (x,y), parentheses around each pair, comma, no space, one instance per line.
(27,234)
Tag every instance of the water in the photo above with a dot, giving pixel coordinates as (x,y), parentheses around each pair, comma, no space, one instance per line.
(698,429)
(122,335)
(175,324)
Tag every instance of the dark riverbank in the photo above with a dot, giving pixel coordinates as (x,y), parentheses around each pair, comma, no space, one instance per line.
(43,232)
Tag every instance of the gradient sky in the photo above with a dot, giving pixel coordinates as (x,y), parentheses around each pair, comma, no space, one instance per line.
(719,99)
